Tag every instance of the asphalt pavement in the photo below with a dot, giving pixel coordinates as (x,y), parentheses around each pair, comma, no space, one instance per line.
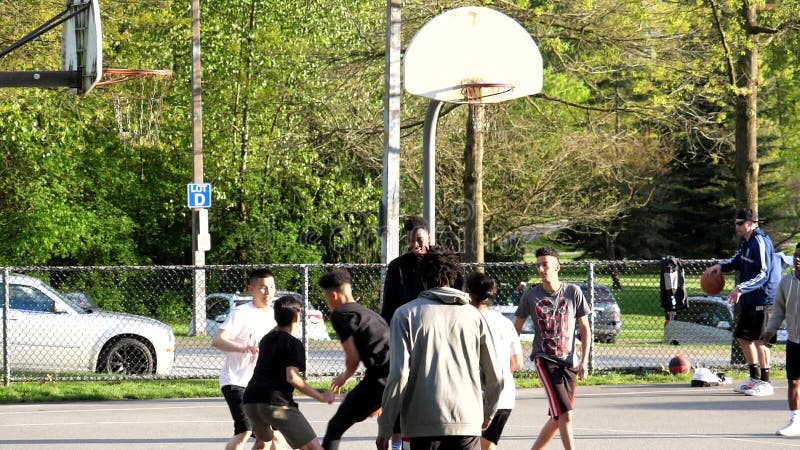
(657,416)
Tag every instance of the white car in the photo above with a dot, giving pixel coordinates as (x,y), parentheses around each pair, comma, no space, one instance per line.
(219,305)
(49,332)
(708,320)
(527,332)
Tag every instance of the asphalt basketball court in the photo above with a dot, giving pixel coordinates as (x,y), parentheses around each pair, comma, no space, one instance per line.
(661,416)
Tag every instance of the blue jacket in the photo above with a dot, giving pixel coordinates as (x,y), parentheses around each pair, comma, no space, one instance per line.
(758,269)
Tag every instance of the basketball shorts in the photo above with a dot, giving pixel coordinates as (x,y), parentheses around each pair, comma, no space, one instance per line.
(792,361)
(492,434)
(753,321)
(286,419)
(446,443)
(233,397)
(558,381)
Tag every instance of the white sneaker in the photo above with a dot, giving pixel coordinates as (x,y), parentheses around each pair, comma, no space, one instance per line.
(761,389)
(793,429)
(747,385)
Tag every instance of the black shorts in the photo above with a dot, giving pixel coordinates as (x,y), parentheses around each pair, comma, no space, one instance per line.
(446,443)
(233,396)
(753,321)
(558,381)
(792,361)
(492,434)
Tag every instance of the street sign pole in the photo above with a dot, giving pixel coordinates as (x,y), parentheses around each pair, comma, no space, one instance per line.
(198,255)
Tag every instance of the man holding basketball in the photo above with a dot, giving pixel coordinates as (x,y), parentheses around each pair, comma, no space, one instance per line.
(756,292)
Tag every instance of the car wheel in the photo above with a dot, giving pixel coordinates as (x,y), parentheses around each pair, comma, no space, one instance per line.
(611,339)
(127,356)
(674,342)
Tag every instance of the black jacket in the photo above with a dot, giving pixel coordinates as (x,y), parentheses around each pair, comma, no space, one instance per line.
(404,283)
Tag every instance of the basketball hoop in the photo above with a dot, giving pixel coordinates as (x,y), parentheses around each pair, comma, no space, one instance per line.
(138,98)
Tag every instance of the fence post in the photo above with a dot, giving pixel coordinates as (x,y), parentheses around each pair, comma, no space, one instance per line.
(590,279)
(306,305)
(199,299)
(6,300)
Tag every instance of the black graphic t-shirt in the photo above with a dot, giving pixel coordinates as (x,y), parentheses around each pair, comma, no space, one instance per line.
(554,319)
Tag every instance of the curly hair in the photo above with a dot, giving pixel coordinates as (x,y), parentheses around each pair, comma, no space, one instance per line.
(413,222)
(439,267)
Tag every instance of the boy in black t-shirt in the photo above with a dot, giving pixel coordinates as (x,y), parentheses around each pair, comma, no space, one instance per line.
(268,399)
(365,338)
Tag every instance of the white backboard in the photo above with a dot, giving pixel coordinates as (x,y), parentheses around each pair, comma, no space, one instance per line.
(472,45)
(82,43)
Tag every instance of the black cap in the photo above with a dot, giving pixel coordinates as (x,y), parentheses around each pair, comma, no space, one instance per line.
(746,214)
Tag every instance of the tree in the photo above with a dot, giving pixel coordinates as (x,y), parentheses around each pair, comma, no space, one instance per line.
(742,34)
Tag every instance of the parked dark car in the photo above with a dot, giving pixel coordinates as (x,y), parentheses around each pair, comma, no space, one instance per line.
(607,316)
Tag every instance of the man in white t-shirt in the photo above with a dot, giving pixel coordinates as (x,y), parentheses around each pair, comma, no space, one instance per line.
(482,291)
(239,337)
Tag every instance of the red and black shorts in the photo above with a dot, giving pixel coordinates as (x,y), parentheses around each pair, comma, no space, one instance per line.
(558,381)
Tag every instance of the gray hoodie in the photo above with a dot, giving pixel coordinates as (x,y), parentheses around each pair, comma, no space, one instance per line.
(442,366)
(787,306)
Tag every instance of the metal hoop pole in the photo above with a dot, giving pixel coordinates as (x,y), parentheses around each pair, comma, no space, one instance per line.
(429,167)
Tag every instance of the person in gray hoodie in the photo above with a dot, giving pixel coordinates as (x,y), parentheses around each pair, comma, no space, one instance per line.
(442,363)
(787,306)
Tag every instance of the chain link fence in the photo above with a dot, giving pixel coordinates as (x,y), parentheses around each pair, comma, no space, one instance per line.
(92,323)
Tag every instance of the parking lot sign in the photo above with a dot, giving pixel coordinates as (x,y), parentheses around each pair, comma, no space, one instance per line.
(199,195)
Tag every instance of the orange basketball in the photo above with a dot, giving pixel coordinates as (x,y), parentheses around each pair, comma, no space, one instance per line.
(679,364)
(712,284)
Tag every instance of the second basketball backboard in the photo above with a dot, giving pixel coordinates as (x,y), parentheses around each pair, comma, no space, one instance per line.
(82,43)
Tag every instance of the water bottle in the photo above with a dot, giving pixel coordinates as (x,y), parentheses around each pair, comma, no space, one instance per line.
(397,445)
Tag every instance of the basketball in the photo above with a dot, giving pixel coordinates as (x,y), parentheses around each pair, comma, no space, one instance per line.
(712,284)
(679,364)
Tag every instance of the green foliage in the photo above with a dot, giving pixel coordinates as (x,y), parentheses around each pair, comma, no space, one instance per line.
(629,146)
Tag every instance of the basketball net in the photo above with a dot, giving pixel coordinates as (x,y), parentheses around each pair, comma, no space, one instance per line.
(138,99)
(474,93)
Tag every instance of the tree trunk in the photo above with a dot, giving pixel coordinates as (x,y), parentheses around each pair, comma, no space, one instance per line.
(473,186)
(746,139)
(244,127)
(746,125)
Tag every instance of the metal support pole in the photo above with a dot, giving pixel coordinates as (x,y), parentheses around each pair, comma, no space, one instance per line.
(198,256)
(390,199)
(6,312)
(41,79)
(590,278)
(306,307)
(429,166)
